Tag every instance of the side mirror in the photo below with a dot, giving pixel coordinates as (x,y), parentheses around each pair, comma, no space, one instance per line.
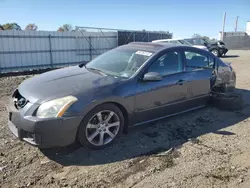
(152,76)
(205,43)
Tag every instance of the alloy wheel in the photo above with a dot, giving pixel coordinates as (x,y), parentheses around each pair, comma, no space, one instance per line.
(102,128)
(215,52)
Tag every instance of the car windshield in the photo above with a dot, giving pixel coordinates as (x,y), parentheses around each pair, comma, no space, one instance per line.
(207,40)
(185,42)
(120,62)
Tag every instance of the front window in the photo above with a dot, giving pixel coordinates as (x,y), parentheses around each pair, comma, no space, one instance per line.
(120,62)
(190,41)
(169,63)
(185,42)
(198,42)
(208,41)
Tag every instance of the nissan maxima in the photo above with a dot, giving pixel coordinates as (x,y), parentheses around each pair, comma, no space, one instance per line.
(133,84)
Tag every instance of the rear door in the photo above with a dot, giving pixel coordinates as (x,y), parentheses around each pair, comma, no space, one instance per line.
(200,67)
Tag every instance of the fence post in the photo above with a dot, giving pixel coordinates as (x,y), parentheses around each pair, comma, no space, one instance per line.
(50,52)
(90,48)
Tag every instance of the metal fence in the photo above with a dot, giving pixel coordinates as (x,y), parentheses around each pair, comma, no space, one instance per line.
(125,37)
(237,40)
(31,50)
(34,50)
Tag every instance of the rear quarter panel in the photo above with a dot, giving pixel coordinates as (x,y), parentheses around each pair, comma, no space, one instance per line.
(225,74)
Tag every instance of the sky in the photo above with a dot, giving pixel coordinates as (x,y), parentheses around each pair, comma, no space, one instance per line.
(183,18)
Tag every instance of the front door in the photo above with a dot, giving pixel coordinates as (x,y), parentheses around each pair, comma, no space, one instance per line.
(155,99)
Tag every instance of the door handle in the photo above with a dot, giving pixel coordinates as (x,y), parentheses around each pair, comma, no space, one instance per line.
(181,82)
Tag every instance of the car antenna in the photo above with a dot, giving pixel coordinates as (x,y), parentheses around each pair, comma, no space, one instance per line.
(82,64)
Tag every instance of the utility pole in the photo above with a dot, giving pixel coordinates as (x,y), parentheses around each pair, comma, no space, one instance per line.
(236,23)
(223,26)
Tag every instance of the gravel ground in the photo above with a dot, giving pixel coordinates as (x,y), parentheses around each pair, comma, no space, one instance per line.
(204,148)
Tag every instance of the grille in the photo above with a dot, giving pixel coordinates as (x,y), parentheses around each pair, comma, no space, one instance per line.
(19,100)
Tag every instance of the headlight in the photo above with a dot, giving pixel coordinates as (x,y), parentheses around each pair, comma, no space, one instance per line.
(55,108)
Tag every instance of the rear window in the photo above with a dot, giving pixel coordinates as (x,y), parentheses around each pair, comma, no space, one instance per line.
(197,61)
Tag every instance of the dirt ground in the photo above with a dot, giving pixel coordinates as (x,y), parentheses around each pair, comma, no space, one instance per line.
(204,148)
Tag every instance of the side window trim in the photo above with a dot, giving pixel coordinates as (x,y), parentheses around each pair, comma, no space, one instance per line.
(184,62)
(215,62)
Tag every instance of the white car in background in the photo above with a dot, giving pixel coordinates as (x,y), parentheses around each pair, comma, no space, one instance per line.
(180,41)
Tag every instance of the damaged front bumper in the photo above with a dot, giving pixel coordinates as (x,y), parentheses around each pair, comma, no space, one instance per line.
(223,50)
(44,133)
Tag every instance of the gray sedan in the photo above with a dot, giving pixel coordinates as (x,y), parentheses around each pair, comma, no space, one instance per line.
(129,85)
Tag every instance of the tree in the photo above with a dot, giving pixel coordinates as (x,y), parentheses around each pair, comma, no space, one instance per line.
(196,35)
(31,27)
(1,27)
(11,26)
(65,27)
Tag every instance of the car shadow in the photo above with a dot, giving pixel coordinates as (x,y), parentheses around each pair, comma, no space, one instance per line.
(155,137)
(230,56)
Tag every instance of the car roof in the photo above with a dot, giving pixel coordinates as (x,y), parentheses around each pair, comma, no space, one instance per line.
(195,38)
(162,40)
(157,47)
(153,47)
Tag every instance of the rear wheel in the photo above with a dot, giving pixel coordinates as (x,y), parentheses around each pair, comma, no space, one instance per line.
(227,101)
(101,126)
(215,52)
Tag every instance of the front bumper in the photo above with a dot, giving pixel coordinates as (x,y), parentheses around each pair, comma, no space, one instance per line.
(44,133)
(223,51)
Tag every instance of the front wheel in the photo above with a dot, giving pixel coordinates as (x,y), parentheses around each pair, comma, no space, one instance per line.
(215,52)
(101,126)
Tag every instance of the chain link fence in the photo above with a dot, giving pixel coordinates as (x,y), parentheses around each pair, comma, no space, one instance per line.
(34,50)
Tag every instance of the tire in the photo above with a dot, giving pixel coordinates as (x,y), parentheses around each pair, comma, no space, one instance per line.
(229,89)
(215,52)
(92,127)
(227,101)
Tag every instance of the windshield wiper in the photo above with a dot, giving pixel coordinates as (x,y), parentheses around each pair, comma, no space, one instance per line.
(97,70)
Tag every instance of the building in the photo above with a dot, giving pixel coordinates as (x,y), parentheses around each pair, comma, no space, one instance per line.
(248,28)
(237,40)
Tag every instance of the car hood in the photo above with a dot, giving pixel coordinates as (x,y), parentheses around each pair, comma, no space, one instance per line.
(215,43)
(63,82)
